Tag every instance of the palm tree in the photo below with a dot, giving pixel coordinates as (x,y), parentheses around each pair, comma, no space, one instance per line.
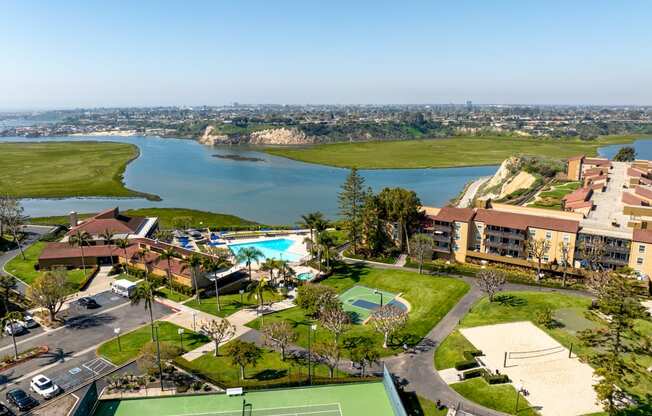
(310,219)
(325,242)
(108,236)
(213,266)
(284,270)
(142,254)
(124,244)
(168,254)
(269,266)
(257,291)
(145,292)
(193,262)
(320,225)
(10,319)
(81,239)
(249,255)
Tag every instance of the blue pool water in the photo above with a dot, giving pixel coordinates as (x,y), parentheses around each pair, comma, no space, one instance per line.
(271,249)
(305,276)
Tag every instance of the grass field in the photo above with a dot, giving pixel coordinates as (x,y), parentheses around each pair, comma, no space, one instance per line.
(174,296)
(500,397)
(25,271)
(229,304)
(570,315)
(166,218)
(551,199)
(66,169)
(439,153)
(131,343)
(345,400)
(430,297)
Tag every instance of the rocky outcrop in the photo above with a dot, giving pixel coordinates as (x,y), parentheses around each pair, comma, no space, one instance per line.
(211,139)
(279,136)
(508,178)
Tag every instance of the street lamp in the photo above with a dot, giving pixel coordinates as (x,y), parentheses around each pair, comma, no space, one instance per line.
(194,326)
(519,389)
(312,328)
(378,292)
(116,331)
(180,332)
(158,356)
(241,291)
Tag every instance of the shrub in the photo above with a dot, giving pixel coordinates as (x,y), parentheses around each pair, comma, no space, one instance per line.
(465,365)
(470,355)
(495,379)
(478,372)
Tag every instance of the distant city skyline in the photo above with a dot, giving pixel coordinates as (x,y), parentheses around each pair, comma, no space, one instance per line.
(89,54)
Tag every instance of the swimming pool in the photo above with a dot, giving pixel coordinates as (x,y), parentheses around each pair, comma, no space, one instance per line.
(271,249)
(305,276)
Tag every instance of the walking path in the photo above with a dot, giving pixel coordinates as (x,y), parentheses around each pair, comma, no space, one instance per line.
(471,191)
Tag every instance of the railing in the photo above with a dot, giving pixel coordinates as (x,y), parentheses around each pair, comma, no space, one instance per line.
(508,234)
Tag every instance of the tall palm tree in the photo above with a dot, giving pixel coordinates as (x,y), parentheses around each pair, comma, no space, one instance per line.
(308,221)
(269,266)
(320,225)
(249,255)
(193,262)
(145,292)
(124,244)
(285,271)
(81,239)
(142,254)
(257,291)
(212,266)
(10,319)
(168,254)
(326,242)
(108,237)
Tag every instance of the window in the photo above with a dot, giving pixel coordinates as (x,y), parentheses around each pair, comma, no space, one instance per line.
(545,258)
(641,248)
(566,239)
(532,233)
(639,260)
(548,235)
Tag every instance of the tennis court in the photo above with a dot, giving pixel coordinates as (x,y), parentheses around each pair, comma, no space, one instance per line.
(339,400)
(361,301)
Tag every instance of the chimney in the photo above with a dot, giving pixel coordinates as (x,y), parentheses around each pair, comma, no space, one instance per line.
(73,218)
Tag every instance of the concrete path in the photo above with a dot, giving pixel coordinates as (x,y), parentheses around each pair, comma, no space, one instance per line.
(401,260)
(471,191)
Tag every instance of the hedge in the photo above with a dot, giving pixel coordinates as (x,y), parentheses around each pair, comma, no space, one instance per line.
(465,365)
(488,377)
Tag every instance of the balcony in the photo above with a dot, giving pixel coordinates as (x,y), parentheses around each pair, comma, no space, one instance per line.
(442,237)
(516,235)
(504,246)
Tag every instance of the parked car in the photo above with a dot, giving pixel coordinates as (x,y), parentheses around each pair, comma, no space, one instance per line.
(4,411)
(15,328)
(21,400)
(29,322)
(44,387)
(89,303)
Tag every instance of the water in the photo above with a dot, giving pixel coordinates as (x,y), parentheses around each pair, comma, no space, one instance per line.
(642,147)
(273,191)
(271,249)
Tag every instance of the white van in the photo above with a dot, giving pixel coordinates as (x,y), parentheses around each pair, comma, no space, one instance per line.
(123,287)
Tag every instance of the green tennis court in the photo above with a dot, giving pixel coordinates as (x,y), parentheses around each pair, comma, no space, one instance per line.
(340,400)
(361,301)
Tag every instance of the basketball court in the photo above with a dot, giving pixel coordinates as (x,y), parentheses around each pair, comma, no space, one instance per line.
(557,382)
(361,302)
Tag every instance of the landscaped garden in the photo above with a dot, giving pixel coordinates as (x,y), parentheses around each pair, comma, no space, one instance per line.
(430,299)
(551,198)
(25,270)
(501,397)
(130,344)
(230,304)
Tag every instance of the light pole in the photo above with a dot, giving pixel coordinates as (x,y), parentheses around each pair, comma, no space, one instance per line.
(217,293)
(519,388)
(194,326)
(313,327)
(241,291)
(158,356)
(116,331)
(180,332)
(377,292)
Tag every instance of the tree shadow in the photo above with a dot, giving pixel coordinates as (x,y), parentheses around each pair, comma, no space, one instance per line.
(57,355)
(88,321)
(270,374)
(411,340)
(510,300)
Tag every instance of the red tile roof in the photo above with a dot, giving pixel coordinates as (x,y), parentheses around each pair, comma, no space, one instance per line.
(630,199)
(450,214)
(580,194)
(634,173)
(578,204)
(66,251)
(642,236)
(644,192)
(111,220)
(523,221)
(597,162)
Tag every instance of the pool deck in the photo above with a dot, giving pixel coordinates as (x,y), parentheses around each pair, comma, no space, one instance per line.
(297,248)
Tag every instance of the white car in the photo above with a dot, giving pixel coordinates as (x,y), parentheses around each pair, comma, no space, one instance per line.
(16,328)
(29,322)
(44,387)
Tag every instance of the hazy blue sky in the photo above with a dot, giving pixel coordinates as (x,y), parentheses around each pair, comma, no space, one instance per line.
(113,53)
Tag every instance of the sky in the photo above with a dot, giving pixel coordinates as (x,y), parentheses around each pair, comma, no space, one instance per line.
(70,54)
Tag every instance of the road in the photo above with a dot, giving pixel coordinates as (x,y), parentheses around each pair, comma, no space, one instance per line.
(471,190)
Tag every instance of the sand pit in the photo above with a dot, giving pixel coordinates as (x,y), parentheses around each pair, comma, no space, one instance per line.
(558,385)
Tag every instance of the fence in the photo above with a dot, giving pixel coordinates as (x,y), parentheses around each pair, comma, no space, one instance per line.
(88,402)
(392,393)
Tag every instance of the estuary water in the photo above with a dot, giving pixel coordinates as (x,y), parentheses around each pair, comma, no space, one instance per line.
(274,190)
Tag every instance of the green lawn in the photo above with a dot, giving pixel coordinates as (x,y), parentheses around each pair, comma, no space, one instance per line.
(551,199)
(132,342)
(430,297)
(66,169)
(25,271)
(501,397)
(270,370)
(172,295)
(166,218)
(438,153)
(229,304)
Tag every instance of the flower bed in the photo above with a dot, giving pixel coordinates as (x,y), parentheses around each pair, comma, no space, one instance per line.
(8,361)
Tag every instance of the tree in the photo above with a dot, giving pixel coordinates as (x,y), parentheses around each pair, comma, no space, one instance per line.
(314,297)
(182,223)
(269,266)
(124,244)
(168,254)
(12,318)
(142,254)
(108,236)
(388,320)
(149,355)
(164,235)
(243,354)
(279,334)
(364,355)
(625,154)
(592,251)
(309,220)
(422,246)
(351,199)
(325,243)
(219,331)
(7,284)
(146,293)
(81,239)
(257,291)
(49,291)
(373,233)
(194,262)
(491,281)
(327,353)
(249,255)
(285,271)
(618,299)
(402,207)
(212,265)
(335,320)
(537,248)
(14,220)
(565,253)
